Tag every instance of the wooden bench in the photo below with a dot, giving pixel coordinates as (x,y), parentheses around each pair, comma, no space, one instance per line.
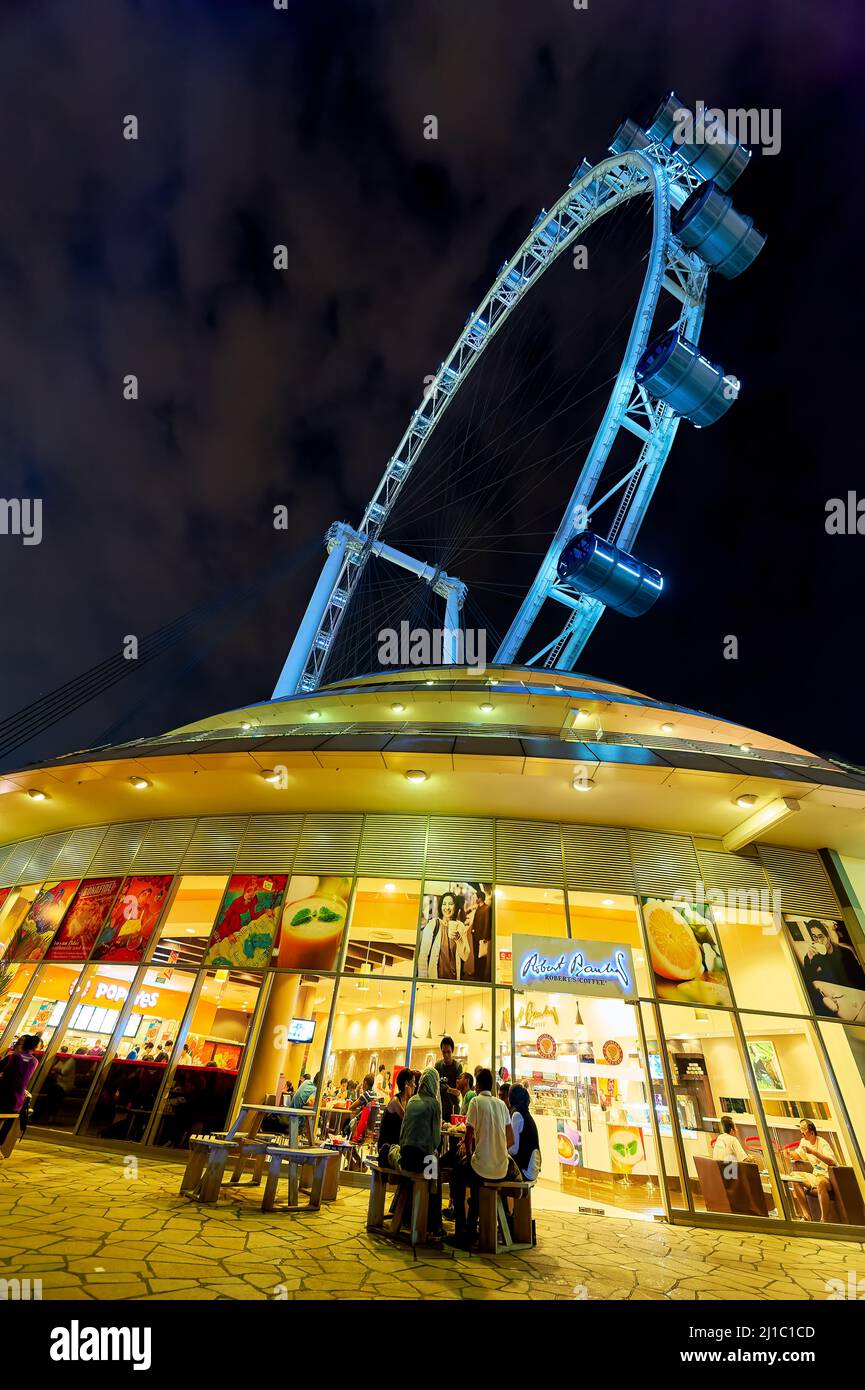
(413,1185)
(317,1161)
(205,1167)
(494,1225)
(330,1187)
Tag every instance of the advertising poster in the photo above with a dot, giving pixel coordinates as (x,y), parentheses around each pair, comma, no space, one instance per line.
(456,932)
(82,923)
(313,921)
(128,931)
(569,1142)
(830,967)
(626,1147)
(247,923)
(44,915)
(767,1068)
(685,952)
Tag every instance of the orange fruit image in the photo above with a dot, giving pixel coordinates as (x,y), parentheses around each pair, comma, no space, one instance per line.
(565,1147)
(673,947)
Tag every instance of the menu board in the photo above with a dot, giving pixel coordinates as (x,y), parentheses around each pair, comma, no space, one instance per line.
(127,933)
(83,921)
(44,915)
(247,924)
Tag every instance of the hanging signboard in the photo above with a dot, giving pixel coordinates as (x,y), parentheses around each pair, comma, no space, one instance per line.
(604,969)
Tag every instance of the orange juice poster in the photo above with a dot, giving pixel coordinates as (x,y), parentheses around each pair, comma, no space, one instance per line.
(247,924)
(139,905)
(313,921)
(685,952)
(43,917)
(90,908)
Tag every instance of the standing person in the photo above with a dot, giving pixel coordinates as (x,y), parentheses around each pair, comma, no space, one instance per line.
(526,1148)
(448,1070)
(466,1088)
(381,1087)
(16,1069)
(727,1147)
(818,1154)
(420,1139)
(505,1092)
(391,1120)
(489,1136)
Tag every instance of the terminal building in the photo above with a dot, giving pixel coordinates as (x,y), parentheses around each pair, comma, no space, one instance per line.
(652,917)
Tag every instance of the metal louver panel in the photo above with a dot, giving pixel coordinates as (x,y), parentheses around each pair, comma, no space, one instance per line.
(119,848)
(77,854)
(529,852)
(801,880)
(270,844)
(663,864)
(42,862)
(19,856)
(393,845)
(597,859)
(5,852)
(732,871)
(214,845)
(460,847)
(164,846)
(328,844)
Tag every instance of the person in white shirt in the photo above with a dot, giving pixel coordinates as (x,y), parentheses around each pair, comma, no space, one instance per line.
(727,1148)
(484,1156)
(819,1155)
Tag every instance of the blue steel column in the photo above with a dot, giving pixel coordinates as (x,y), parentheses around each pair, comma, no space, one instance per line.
(295,662)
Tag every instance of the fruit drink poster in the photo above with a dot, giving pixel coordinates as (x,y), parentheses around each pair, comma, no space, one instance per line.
(685,952)
(313,921)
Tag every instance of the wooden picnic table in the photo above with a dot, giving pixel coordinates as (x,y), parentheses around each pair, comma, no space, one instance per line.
(250,1117)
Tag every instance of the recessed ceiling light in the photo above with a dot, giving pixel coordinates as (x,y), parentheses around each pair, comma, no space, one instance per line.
(390,887)
(582,714)
(608,902)
(746,802)
(430,682)
(487,708)
(139,783)
(313,714)
(745,747)
(666,728)
(36,795)
(580,784)
(245,724)
(271,775)
(398,709)
(416,774)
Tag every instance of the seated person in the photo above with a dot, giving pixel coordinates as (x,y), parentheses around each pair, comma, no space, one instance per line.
(483,1158)
(366,1096)
(391,1120)
(526,1148)
(727,1148)
(818,1154)
(420,1138)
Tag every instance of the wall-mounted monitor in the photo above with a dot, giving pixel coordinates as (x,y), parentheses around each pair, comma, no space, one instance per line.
(301,1030)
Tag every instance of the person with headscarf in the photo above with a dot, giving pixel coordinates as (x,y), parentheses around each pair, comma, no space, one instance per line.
(526,1148)
(420,1138)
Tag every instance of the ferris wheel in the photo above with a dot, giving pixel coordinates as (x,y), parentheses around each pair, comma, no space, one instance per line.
(662,380)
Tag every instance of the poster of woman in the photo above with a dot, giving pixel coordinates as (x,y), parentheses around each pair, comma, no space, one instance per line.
(456,932)
(32,936)
(830,967)
(127,933)
(247,924)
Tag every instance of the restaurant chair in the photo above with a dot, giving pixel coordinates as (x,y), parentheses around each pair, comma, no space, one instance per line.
(741,1195)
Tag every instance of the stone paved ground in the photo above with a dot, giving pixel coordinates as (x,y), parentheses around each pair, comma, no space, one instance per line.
(74,1219)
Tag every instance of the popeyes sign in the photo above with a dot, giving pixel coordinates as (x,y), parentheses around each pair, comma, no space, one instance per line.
(144,999)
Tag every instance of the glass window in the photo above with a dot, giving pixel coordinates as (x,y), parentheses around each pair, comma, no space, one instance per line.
(525,912)
(30,917)
(78,1051)
(313,922)
(14,980)
(709,1082)
(84,919)
(186,930)
(246,930)
(128,931)
(803,1118)
(755,951)
(370,1038)
(383,930)
(455,940)
(291,1039)
(131,1085)
(657,1083)
(846,1049)
(463,1012)
(685,953)
(610,917)
(829,965)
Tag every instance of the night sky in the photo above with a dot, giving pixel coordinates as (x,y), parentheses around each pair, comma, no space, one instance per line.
(260,387)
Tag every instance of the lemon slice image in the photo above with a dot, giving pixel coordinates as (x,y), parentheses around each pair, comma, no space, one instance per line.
(672,945)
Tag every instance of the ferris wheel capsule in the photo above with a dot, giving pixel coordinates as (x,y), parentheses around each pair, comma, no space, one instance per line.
(629,137)
(673,370)
(713,152)
(663,124)
(599,569)
(708,223)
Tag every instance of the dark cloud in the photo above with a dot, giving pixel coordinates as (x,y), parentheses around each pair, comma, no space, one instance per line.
(305,128)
